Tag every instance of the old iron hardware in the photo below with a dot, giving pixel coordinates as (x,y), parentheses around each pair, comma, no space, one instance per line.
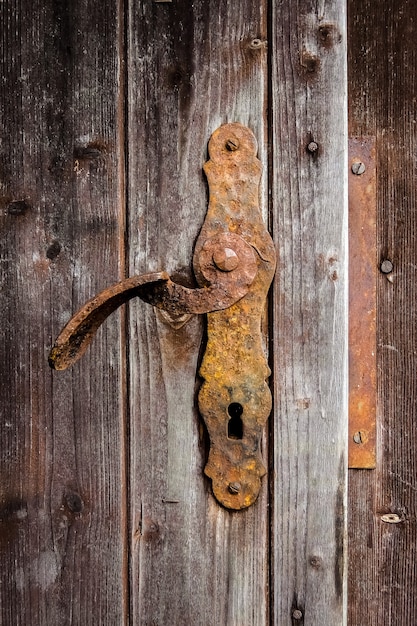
(362,303)
(234,264)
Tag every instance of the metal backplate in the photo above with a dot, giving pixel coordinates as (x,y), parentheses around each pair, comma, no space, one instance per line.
(362,303)
(235,400)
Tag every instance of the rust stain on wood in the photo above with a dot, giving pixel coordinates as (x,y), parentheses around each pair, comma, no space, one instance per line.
(362,303)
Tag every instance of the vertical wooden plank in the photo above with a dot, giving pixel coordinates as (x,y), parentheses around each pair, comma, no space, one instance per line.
(61,438)
(309,207)
(192,67)
(382,503)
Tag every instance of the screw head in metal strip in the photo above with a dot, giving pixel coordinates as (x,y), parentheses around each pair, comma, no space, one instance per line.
(357,437)
(358,168)
(361,436)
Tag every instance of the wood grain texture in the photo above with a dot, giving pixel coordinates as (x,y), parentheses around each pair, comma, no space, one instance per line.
(309,208)
(192,67)
(62,435)
(383,93)
(105,514)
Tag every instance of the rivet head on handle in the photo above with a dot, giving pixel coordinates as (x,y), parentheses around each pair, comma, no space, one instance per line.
(225,259)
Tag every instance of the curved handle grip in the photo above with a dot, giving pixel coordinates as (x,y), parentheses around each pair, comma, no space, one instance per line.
(226,286)
(77,335)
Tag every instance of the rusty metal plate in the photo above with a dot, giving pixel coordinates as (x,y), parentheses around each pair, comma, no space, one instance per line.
(362,303)
(235,400)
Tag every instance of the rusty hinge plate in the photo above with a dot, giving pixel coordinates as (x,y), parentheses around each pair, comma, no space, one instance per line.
(362,303)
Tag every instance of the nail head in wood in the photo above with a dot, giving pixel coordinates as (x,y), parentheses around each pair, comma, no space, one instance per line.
(386,266)
(256,43)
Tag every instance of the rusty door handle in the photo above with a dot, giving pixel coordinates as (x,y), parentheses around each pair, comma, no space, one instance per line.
(234,264)
(224,287)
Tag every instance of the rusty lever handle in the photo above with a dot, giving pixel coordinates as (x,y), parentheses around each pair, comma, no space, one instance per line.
(226,261)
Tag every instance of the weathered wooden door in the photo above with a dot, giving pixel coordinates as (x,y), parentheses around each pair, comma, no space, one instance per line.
(382,66)
(106,109)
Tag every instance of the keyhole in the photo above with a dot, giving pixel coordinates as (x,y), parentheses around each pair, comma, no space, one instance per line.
(235,425)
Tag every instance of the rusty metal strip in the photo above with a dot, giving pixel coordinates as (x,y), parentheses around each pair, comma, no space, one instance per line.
(362,303)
